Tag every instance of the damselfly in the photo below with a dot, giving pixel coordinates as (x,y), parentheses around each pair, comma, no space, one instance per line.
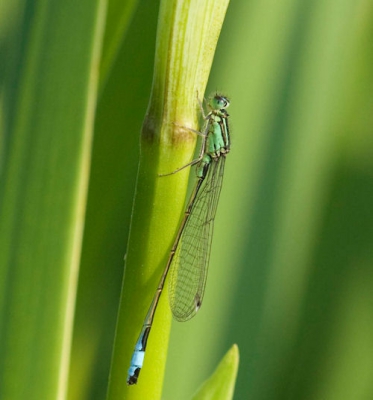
(189,256)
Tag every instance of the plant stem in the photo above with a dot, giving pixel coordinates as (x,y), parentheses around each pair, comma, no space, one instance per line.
(186,39)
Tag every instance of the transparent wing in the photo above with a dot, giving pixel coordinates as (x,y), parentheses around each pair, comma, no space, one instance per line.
(190,264)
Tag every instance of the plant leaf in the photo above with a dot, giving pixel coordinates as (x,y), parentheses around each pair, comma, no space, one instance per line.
(220,385)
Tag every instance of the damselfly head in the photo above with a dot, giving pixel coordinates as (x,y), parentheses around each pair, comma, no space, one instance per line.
(218,102)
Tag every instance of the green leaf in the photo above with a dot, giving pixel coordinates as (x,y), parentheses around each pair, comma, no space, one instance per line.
(48,98)
(220,385)
(119,16)
(115,158)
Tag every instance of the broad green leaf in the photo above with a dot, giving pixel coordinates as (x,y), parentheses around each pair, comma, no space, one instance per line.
(119,116)
(48,97)
(118,19)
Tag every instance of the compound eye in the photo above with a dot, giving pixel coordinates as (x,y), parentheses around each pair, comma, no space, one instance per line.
(223,102)
(219,102)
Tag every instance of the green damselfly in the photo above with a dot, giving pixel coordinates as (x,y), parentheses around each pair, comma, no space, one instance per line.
(189,257)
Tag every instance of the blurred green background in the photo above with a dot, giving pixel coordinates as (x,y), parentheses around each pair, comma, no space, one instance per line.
(291,274)
(291,270)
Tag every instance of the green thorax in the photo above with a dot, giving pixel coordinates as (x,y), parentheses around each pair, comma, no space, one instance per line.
(217,139)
